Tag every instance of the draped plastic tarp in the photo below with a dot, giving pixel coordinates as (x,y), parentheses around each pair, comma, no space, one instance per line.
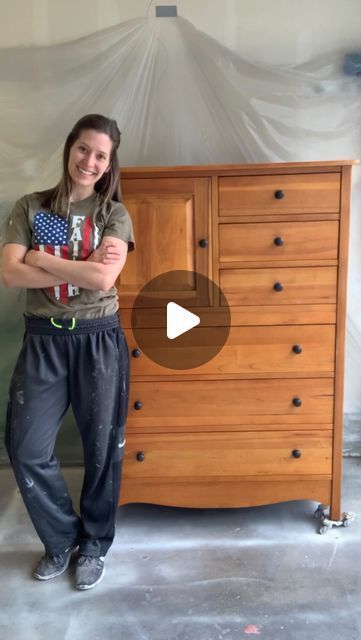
(179,97)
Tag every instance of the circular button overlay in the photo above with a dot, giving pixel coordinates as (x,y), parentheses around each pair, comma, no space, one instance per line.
(181,319)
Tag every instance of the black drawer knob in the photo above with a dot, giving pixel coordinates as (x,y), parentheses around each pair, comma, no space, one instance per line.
(296,453)
(140,456)
(278,286)
(138,405)
(279,194)
(136,353)
(297,348)
(297,402)
(278,241)
(203,243)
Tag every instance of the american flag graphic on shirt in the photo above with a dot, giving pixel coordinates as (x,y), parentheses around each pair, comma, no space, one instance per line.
(71,239)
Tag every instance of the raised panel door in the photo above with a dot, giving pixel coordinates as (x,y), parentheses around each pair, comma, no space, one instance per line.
(170,217)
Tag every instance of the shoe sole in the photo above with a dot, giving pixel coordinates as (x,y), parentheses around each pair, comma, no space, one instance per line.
(85,587)
(37,576)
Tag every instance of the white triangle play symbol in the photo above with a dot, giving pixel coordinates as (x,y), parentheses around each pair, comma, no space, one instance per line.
(179,320)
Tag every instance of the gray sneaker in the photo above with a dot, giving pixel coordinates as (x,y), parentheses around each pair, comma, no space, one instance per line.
(89,572)
(53,566)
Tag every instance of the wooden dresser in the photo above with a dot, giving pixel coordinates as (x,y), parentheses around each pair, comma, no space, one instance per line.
(262,421)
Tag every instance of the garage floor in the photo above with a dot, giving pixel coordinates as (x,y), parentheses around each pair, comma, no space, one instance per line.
(183,574)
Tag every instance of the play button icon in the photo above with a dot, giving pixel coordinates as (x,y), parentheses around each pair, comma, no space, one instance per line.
(179,320)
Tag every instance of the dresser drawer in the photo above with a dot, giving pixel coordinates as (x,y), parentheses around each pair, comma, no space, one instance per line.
(294,285)
(278,241)
(280,194)
(249,404)
(305,350)
(228,454)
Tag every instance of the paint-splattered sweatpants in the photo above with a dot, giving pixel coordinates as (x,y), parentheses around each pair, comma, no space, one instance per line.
(87,367)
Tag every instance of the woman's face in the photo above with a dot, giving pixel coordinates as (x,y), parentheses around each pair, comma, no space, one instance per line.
(89,159)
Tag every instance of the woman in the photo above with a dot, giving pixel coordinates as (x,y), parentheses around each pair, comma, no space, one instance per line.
(67,246)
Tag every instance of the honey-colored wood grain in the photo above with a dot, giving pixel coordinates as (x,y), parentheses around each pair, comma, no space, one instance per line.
(215,239)
(275,217)
(157,222)
(270,263)
(223,403)
(340,343)
(255,242)
(224,492)
(317,193)
(247,315)
(170,217)
(284,314)
(329,166)
(228,454)
(310,285)
(138,183)
(263,350)
(159,427)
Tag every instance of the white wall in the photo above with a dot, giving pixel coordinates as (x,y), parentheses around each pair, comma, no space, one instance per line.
(276,31)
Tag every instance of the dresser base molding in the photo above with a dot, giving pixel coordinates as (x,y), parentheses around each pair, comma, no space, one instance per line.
(225,492)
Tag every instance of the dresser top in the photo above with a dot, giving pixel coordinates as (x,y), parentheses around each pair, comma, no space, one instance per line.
(329,166)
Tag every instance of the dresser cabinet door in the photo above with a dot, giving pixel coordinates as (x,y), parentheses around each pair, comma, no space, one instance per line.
(171,220)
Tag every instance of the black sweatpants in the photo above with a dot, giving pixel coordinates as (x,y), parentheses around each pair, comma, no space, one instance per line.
(87,367)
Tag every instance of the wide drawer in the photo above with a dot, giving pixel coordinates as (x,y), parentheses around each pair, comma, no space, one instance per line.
(306,350)
(293,285)
(278,241)
(216,404)
(228,454)
(281,194)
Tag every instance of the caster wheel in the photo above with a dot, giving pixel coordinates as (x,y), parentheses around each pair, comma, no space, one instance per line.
(320,512)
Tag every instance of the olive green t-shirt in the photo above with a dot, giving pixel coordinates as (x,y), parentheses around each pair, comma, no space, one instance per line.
(73,238)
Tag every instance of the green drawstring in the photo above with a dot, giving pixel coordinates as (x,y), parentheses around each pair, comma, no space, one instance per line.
(59,326)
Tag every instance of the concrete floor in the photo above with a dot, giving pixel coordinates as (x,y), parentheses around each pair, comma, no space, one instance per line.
(183,574)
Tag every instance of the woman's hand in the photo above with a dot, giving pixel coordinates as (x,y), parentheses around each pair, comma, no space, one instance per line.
(109,252)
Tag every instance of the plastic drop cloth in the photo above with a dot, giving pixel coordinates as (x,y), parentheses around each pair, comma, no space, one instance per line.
(179,97)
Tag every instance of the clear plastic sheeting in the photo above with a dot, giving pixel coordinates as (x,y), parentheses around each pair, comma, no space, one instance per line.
(180,98)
